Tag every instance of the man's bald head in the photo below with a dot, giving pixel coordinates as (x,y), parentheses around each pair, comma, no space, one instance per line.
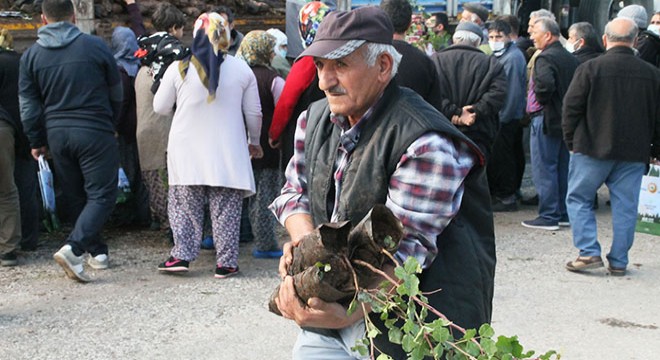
(620,32)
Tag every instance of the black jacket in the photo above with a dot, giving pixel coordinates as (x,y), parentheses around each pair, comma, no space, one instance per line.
(611,110)
(9,61)
(587,53)
(553,72)
(470,77)
(648,45)
(416,71)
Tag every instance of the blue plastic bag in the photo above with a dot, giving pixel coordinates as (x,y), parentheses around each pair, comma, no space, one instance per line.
(45,177)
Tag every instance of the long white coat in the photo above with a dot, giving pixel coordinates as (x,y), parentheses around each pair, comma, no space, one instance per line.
(208,144)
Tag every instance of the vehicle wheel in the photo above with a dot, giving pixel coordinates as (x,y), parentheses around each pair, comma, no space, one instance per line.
(599,12)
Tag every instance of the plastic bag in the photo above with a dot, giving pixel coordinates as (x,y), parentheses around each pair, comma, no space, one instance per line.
(124,187)
(648,210)
(45,177)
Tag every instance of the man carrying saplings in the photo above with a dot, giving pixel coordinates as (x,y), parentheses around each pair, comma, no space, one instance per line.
(370,142)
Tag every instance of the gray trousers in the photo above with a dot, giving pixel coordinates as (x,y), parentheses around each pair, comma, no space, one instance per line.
(10,215)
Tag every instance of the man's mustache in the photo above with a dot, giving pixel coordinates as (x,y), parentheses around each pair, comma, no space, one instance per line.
(336,90)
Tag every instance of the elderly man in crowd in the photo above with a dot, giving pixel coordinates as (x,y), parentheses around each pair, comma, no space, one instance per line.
(472,86)
(400,152)
(552,74)
(477,14)
(611,119)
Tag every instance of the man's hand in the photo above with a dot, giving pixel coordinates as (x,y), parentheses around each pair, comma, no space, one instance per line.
(316,313)
(275,144)
(467,117)
(39,151)
(256,152)
(298,225)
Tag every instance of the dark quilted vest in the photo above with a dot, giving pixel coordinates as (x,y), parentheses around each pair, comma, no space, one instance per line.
(465,266)
(265,76)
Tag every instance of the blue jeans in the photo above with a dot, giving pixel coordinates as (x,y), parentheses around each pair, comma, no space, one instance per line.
(623,179)
(549,157)
(313,346)
(85,165)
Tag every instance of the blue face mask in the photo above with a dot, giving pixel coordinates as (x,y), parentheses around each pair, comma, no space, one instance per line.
(281,51)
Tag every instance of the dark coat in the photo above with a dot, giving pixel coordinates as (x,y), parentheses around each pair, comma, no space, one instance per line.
(9,61)
(553,72)
(587,53)
(611,110)
(416,71)
(648,45)
(470,77)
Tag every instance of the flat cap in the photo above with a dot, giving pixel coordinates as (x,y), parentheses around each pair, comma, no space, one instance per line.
(477,8)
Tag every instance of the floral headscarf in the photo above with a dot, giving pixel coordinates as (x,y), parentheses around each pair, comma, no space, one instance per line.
(124,46)
(309,19)
(256,48)
(6,40)
(210,43)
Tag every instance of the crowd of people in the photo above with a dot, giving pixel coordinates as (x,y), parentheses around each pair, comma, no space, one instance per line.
(383,106)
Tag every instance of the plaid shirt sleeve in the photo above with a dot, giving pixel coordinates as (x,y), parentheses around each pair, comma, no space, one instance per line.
(293,198)
(425,193)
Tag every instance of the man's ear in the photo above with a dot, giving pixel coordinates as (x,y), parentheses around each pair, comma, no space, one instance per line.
(385,63)
(605,41)
(44,20)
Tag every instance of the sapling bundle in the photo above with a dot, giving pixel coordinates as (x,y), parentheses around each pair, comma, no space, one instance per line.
(323,263)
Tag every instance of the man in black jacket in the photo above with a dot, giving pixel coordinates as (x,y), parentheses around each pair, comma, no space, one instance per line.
(416,70)
(611,119)
(472,86)
(553,71)
(70,97)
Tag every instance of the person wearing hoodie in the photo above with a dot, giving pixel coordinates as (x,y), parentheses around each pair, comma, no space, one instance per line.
(70,99)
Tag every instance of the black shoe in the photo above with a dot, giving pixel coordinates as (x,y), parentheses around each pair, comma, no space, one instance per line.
(9,259)
(533,201)
(173,264)
(499,206)
(222,272)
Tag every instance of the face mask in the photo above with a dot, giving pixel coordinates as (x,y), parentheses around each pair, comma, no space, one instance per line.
(654,29)
(281,52)
(496,46)
(571,48)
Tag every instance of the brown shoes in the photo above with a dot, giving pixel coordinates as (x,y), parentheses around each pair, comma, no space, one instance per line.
(614,271)
(585,263)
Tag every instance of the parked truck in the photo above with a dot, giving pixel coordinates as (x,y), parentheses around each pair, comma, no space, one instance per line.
(567,12)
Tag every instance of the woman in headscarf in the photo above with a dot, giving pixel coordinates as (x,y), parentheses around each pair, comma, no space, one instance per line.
(279,62)
(208,154)
(134,209)
(257,51)
(301,87)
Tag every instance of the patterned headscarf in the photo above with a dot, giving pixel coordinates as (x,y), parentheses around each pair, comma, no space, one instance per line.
(6,40)
(124,46)
(210,43)
(308,22)
(256,48)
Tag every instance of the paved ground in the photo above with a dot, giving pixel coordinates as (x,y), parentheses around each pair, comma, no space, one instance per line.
(132,312)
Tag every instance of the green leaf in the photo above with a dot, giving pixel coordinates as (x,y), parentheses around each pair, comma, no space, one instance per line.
(440,334)
(489,347)
(389,243)
(373,332)
(327,267)
(362,349)
(412,266)
(395,335)
(400,272)
(486,331)
(438,350)
(352,307)
(419,352)
(469,334)
(472,348)
(408,343)
(384,357)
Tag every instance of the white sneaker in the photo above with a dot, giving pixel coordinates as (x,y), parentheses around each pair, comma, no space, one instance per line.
(98,262)
(72,264)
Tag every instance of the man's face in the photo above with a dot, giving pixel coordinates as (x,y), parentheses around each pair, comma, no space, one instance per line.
(230,25)
(351,86)
(541,38)
(530,25)
(655,20)
(498,36)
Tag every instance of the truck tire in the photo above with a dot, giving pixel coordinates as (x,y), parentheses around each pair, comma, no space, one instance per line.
(600,12)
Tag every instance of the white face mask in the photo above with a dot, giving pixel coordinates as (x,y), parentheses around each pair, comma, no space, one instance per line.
(654,29)
(571,48)
(496,45)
